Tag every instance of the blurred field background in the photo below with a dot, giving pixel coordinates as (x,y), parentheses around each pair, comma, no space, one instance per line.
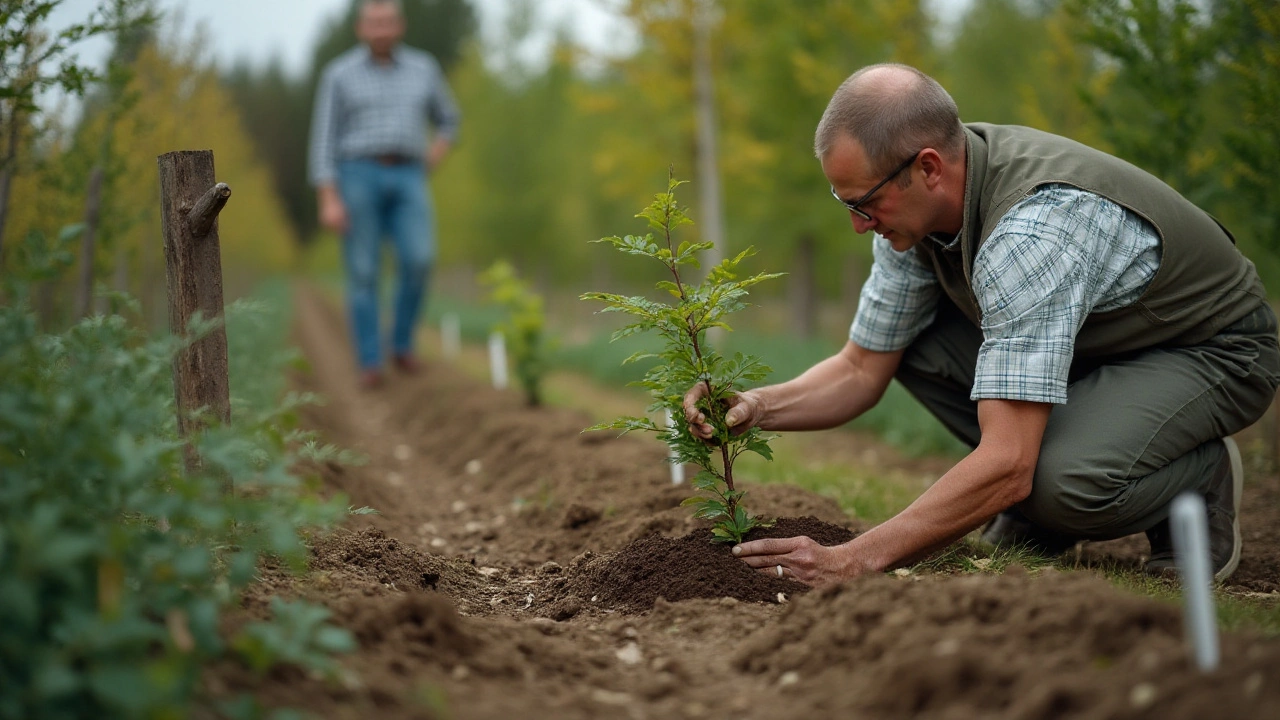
(563,148)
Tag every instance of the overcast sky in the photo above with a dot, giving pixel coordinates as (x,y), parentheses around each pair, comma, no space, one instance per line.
(262,29)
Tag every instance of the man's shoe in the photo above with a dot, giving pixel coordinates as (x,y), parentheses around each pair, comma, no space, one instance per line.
(1012,529)
(407,363)
(371,379)
(1222,500)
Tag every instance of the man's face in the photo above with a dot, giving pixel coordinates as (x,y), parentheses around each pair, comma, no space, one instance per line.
(380,27)
(896,212)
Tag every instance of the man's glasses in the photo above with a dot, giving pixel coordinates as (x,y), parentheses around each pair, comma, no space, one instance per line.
(855,207)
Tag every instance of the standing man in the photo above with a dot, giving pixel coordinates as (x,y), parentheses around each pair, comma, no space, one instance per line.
(1090,333)
(370,161)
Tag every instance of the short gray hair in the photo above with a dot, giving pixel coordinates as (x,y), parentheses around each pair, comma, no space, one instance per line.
(891,115)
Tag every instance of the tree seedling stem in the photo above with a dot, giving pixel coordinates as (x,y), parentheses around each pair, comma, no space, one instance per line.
(685,361)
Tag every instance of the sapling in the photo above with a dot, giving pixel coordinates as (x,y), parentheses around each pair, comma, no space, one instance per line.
(522,326)
(686,360)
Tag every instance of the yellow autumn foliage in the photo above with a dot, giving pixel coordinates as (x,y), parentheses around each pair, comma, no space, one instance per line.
(173,101)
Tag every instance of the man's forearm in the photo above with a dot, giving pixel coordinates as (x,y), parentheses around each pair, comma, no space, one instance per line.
(989,480)
(830,393)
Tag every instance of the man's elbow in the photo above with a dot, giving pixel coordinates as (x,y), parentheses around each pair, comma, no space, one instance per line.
(1015,482)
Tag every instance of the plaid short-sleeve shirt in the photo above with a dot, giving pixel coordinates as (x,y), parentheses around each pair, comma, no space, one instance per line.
(1056,256)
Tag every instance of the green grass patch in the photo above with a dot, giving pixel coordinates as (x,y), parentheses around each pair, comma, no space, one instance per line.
(898,418)
(862,494)
(1236,612)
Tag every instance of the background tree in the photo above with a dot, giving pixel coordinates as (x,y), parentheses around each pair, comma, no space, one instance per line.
(1160,71)
(32,60)
(1253,64)
(784,66)
(172,99)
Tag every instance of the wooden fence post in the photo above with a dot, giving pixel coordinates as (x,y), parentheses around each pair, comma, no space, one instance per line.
(190,201)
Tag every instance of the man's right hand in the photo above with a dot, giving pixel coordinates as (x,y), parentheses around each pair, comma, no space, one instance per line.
(746,410)
(333,213)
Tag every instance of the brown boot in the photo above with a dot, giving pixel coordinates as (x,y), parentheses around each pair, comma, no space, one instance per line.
(407,363)
(371,379)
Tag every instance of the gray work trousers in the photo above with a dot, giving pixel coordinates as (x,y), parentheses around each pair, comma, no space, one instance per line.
(1135,431)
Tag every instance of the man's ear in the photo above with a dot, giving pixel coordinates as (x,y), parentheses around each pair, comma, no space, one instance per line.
(933,167)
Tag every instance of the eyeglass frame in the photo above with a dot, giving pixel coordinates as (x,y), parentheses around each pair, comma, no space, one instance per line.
(855,207)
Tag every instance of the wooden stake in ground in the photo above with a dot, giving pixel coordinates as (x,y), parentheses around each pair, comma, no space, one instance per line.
(190,200)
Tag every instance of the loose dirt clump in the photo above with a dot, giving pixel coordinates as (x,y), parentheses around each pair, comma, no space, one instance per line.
(1053,645)
(685,568)
(369,560)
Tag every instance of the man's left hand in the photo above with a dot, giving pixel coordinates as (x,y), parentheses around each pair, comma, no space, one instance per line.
(800,558)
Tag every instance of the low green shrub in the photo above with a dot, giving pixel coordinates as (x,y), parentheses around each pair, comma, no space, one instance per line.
(115,564)
(523,326)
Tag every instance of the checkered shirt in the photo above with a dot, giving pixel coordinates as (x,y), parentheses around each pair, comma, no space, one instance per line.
(364,108)
(1056,256)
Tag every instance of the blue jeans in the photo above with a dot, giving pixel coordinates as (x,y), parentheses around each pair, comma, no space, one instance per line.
(385,201)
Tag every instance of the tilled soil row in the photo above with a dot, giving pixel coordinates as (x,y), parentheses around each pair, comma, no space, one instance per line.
(521,568)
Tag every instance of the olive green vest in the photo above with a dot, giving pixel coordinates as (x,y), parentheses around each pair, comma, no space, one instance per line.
(1202,285)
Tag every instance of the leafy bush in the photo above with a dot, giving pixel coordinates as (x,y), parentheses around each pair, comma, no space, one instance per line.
(115,563)
(687,360)
(522,325)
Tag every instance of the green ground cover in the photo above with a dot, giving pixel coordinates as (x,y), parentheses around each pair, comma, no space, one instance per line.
(116,562)
(899,419)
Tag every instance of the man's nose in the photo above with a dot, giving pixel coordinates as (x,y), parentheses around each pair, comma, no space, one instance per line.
(859,224)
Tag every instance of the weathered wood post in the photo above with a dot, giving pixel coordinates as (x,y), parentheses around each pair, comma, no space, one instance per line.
(190,201)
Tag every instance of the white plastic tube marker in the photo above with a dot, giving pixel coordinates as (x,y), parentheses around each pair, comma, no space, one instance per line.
(498,360)
(450,335)
(677,470)
(1189,524)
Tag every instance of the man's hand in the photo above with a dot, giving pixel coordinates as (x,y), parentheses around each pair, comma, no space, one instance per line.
(435,154)
(801,559)
(746,410)
(333,213)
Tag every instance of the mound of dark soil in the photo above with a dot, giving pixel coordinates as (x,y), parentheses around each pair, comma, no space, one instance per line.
(1017,646)
(685,568)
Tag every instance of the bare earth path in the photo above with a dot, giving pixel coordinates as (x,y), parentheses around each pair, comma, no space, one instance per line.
(492,585)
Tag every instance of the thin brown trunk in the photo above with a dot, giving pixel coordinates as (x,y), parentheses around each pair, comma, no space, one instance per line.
(851,284)
(6,175)
(803,285)
(88,238)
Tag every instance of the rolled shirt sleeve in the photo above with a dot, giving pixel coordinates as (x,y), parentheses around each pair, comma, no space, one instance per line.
(898,300)
(322,151)
(1056,256)
(442,108)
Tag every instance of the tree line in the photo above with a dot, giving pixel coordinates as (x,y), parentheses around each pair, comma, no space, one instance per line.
(554,155)
(557,153)
(79,186)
